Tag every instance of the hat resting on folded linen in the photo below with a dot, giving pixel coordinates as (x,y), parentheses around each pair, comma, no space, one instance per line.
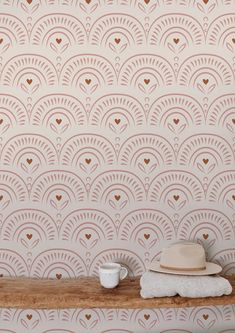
(184,258)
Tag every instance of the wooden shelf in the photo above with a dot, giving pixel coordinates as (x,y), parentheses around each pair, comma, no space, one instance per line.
(87,293)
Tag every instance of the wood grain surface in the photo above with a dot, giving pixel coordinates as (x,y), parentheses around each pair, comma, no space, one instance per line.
(87,293)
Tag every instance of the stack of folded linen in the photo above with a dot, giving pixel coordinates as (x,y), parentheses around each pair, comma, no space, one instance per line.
(183,270)
(155,284)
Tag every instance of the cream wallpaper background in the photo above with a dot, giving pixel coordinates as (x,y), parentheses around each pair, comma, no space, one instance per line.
(117,122)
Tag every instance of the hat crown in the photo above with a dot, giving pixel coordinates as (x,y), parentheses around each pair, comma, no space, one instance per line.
(184,255)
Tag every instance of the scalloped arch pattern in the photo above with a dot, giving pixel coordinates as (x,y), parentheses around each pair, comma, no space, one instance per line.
(117,136)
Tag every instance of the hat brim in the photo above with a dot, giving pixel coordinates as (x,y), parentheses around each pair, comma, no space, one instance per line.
(211,268)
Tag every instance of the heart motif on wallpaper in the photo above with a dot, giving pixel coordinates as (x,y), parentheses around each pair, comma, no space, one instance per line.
(146,160)
(59,121)
(146,1)
(146,316)
(88,236)
(117,40)
(88,316)
(146,236)
(1,197)
(88,160)
(176,121)
(88,81)
(29,160)
(58,40)
(205,316)
(205,81)
(176,40)
(29,316)
(146,81)
(29,81)
(117,121)
(58,276)
(206,1)
(58,197)
(205,160)
(205,236)
(29,1)
(1,121)
(176,197)
(233,197)
(233,120)
(88,1)
(1,40)
(117,197)
(29,236)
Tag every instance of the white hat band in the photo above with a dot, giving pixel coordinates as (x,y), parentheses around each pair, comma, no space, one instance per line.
(183,269)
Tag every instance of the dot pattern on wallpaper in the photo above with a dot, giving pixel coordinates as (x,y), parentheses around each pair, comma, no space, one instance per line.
(117,122)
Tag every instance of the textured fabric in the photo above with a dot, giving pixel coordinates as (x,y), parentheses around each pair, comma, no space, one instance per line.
(160,285)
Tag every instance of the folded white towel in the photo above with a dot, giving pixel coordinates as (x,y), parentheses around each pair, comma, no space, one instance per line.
(155,284)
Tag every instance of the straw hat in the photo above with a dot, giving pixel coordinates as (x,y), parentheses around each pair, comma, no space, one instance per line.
(184,258)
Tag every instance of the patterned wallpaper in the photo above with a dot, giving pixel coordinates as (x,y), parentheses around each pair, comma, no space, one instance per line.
(117,122)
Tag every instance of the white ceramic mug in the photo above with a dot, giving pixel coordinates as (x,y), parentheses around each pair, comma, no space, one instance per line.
(111,273)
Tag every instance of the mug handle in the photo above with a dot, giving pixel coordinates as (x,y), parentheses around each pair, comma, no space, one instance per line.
(123,273)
